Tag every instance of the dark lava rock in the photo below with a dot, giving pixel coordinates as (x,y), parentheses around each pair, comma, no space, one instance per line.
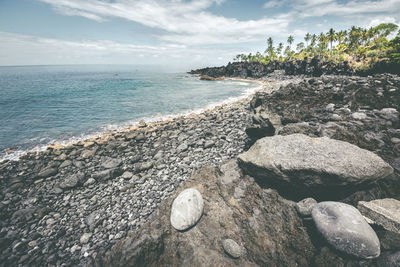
(260,220)
(107,174)
(302,108)
(72,180)
(47,172)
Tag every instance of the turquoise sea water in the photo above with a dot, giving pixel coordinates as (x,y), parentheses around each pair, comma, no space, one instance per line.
(42,104)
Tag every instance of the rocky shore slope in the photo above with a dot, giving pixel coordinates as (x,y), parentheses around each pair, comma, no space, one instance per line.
(318,187)
(107,202)
(68,204)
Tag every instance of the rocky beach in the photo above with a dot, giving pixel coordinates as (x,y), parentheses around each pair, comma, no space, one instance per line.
(305,172)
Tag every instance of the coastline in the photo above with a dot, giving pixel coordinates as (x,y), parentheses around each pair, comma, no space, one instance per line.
(111,129)
(75,204)
(111,184)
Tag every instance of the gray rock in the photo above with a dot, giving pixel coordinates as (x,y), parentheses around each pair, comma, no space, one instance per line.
(305,206)
(140,137)
(65,163)
(47,172)
(89,182)
(359,116)
(94,219)
(301,160)
(389,240)
(86,154)
(127,175)
(71,181)
(111,163)
(389,259)
(389,111)
(385,212)
(231,172)
(182,147)
(23,214)
(344,228)
(272,231)
(209,144)
(139,167)
(85,238)
(232,248)
(186,209)
(107,174)
(330,107)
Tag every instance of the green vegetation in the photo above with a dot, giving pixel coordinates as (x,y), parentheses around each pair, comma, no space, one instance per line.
(359,47)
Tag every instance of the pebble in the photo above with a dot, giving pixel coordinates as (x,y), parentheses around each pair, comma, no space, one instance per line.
(85,238)
(232,248)
(359,116)
(305,206)
(187,209)
(330,107)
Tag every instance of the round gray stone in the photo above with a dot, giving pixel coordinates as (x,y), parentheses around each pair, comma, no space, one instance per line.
(232,248)
(344,228)
(85,238)
(187,209)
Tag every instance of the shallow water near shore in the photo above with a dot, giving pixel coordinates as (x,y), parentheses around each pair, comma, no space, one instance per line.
(40,105)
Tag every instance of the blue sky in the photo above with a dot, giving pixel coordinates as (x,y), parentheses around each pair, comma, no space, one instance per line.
(178,33)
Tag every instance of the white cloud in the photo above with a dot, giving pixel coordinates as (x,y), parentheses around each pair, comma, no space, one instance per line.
(274,3)
(377,21)
(184,22)
(19,49)
(318,8)
(73,12)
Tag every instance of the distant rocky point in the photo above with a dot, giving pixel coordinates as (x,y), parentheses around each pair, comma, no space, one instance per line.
(309,66)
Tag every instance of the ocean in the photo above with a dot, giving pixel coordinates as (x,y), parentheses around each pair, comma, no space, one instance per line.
(42,105)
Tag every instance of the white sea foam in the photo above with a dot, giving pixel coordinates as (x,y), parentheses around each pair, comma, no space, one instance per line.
(16,154)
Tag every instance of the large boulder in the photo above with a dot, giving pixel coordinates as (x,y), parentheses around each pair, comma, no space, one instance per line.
(385,212)
(345,229)
(300,161)
(265,227)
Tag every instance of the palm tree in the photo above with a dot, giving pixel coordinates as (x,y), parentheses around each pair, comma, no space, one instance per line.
(300,47)
(279,49)
(290,40)
(313,39)
(288,52)
(307,38)
(270,49)
(354,37)
(340,36)
(331,36)
(322,43)
(364,36)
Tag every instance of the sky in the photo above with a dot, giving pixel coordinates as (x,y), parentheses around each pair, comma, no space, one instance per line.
(178,34)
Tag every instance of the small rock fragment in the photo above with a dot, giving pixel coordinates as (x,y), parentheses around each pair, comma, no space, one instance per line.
(232,248)
(85,238)
(305,206)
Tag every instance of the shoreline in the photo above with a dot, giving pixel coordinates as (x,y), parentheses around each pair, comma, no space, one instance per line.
(71,205)
(110,186)
(131,125)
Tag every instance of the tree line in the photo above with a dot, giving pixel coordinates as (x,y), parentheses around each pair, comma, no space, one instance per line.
(356,45)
